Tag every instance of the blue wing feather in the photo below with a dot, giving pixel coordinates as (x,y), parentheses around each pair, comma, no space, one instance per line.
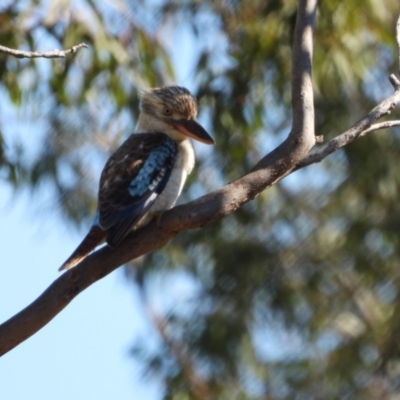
(131,181)
(120,229)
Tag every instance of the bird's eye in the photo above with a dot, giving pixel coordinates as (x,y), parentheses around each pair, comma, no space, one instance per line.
(167,111)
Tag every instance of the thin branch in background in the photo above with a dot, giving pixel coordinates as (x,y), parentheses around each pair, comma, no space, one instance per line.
(38,54)
(182,355)
(178,350)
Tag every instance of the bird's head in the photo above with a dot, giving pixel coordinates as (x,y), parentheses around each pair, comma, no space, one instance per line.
(172,110)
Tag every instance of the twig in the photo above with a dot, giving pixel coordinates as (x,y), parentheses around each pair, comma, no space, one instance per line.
(381,125)
(38,54)
(394,81)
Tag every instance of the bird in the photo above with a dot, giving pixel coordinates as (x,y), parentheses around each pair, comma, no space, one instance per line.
(145,175)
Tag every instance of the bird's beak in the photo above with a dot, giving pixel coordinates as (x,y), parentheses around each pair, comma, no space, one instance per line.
(191,128)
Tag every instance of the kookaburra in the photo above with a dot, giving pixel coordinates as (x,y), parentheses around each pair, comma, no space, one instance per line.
(145,175)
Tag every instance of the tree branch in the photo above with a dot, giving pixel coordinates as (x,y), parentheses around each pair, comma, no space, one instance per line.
(292,154)
(318,153)
(381,125)
(180,352)
(37,54)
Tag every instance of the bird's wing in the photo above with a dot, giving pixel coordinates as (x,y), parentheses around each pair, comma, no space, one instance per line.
(131,180)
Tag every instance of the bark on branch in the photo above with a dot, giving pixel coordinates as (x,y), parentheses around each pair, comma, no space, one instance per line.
(293,153)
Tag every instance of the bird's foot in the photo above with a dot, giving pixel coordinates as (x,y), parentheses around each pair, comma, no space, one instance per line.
(157,217)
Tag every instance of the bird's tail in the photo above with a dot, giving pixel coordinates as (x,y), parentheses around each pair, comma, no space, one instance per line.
(95,237)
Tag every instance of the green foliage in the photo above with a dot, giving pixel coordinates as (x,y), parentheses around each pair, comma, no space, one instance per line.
(295,295)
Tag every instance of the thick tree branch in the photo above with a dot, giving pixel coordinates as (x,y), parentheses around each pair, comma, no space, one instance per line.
(301,137)
(302,90)
(38,54)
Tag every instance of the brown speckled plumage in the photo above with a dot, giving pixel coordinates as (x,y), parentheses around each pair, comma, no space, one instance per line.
(177,99)
(145,175)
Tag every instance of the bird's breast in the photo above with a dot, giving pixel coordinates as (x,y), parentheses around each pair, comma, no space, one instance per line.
(183,165)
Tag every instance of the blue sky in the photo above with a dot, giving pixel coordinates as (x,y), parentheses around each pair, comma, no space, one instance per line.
(84,351)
